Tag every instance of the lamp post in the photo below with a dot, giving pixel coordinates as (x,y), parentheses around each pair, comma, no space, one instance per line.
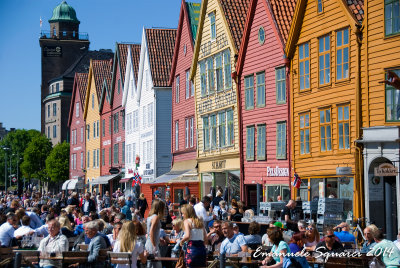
(5,149)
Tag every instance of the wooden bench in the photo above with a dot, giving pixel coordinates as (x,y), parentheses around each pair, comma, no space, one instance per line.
(71,257)
(29,257)
(120,258)
(6,256)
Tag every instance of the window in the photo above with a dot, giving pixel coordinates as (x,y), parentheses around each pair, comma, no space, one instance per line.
(75,136)
(186,132)
(325,130)
(81,160)
(54,109)
(109,156)
(119,86)
(213,128)
(176,135)
(280,79)
(88,159)
(261,142)
(221,129)
(150,151)
(92,101)
(227,69)
(94,158)
(110,125)
(392,17)
(103,157)
(249,92)
(72,161)
(342,54)
(128,153)
(344,127)
(177,89)
(81,134)
(203,79)
(123,153)
(206,134)
(304,66)
(103,128)
(231,130)
(218,72)
(94,129)
(97,158)
(261,35)
(97,128)
(144,116)
(273,191)
(133,152)
(123,119)
(135,120)
(260,89)
(281,140)
(72,137)
(116,154)
(116,123)
(305,133)
(150,114)
(57,87)
(54,131)
(320,7)
(191,132)
(48,132)
(144,152)
(191,89)
(324,60)
(213,31)
(250,143)
(77,109)
(392,101)
(48,110)
(210,74)
(187,85)
(88,131)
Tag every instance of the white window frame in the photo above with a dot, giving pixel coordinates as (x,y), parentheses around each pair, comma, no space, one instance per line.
(177,135)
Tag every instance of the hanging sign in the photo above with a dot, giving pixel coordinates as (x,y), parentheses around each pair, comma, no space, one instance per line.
(386,170)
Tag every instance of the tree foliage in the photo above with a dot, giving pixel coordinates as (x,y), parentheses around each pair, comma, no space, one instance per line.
(57,163)
(35,154)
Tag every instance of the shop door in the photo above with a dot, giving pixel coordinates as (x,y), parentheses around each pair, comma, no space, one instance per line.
(390,208)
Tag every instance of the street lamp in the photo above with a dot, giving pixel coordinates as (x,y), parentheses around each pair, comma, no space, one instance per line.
(5,149)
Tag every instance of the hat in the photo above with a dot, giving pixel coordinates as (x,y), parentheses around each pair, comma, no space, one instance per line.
(157,192)
(279,225)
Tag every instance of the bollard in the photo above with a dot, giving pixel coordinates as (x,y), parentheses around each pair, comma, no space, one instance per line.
(222,260)
(17,260)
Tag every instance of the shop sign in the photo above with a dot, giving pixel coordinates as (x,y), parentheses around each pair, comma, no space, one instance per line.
(386,170)
(220,42)
(221,100)
(130,171)
(277,172)
(52,51)
(218,164)
(114,170)
(343,171)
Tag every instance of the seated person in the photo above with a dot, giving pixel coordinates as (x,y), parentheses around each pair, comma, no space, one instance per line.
(265,240)
(344,235)
(215,236)
(236,229)
(391,259)
(253,239)
(279,248)
(312,235)
(329,244)
(114,236)
(297,242)
(25,228)
(66,227)
(370,242)
(397,241)
(233,243)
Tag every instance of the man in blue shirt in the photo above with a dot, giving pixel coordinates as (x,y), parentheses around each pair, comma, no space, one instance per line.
(233,243)
(7,230)
(124,208)
(370,243)
(344,235)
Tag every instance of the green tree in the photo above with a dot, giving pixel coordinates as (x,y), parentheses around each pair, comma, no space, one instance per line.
(35,154)
(57,163)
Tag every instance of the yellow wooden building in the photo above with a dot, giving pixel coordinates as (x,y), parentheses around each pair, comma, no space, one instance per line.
(98,71)
(219,35)
(381,114)
(324,48)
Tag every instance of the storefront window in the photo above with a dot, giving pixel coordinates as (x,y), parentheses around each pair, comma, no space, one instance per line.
(207,180)
(331,190)
(315,188)
(178,195)
(274,190)
(303,191)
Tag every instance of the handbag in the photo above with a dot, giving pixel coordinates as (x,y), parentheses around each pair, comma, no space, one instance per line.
(181,260)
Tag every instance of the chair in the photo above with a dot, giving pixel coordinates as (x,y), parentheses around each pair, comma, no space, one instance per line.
(71,257)
(102,257)
(83,247)
(28,256)
(120,258)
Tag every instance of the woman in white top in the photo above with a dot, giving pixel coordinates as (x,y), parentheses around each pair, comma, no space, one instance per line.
(312,235)
(127,243)
(195,234)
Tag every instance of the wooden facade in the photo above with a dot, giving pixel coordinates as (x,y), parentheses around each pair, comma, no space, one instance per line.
(263,75)
(324,48)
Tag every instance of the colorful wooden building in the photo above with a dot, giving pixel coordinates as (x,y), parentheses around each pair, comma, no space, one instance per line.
(99,74)
(381,114)
(324,48)
(217,46)
(263,78)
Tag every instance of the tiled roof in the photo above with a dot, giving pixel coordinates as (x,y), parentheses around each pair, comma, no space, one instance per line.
(160,45)
(357,7)
(135,54)
(235,13)
(81,82)
(101,71)
(123,54)
(283,12)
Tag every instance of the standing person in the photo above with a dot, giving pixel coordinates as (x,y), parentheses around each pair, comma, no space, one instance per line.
(73,200)
(195,234)
(88,205)
(127,242)
(286,216)
(217,199)
(185,200)
(142,204)
(107,200)
(114,236)
(201,212)
(99,202)
(124,208)
(153,231)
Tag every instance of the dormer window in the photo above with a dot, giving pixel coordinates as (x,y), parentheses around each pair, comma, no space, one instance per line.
(320,7)
(57,87)
(213,30)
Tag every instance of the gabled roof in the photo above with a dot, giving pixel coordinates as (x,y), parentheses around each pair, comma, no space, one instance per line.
(354,10)
(135,56)
(80,84)
(122,53)
(189,14)
(235,12)
(132,65)
(160,47)
(280,14)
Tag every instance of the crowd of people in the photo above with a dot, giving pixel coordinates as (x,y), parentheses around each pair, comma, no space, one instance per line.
(198,227)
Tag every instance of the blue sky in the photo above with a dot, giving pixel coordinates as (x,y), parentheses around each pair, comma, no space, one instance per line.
(106,22)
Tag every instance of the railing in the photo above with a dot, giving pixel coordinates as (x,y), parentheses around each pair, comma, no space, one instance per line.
(65,35)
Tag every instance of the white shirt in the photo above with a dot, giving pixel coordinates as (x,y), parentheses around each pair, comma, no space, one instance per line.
(23,230)
(135,253)
(42,230)
(6,234)
(201,212)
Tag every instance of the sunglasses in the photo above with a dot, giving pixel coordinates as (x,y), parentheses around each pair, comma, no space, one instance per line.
(330,236)
(309,229)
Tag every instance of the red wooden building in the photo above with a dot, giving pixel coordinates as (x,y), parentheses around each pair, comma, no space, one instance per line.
(263,73)
(76,124)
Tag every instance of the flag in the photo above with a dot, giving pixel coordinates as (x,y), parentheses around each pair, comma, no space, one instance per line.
(296,181)
(41,22)
(136,179)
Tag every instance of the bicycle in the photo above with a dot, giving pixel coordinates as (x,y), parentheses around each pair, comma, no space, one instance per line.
(357,229)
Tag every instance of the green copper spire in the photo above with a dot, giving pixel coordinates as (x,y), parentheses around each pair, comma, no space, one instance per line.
(65,13)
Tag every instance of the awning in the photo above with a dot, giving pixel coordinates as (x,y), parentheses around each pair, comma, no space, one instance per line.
(65,184)
(125,180)
(177,176)
(75,184)
(184,165)
(103,179)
